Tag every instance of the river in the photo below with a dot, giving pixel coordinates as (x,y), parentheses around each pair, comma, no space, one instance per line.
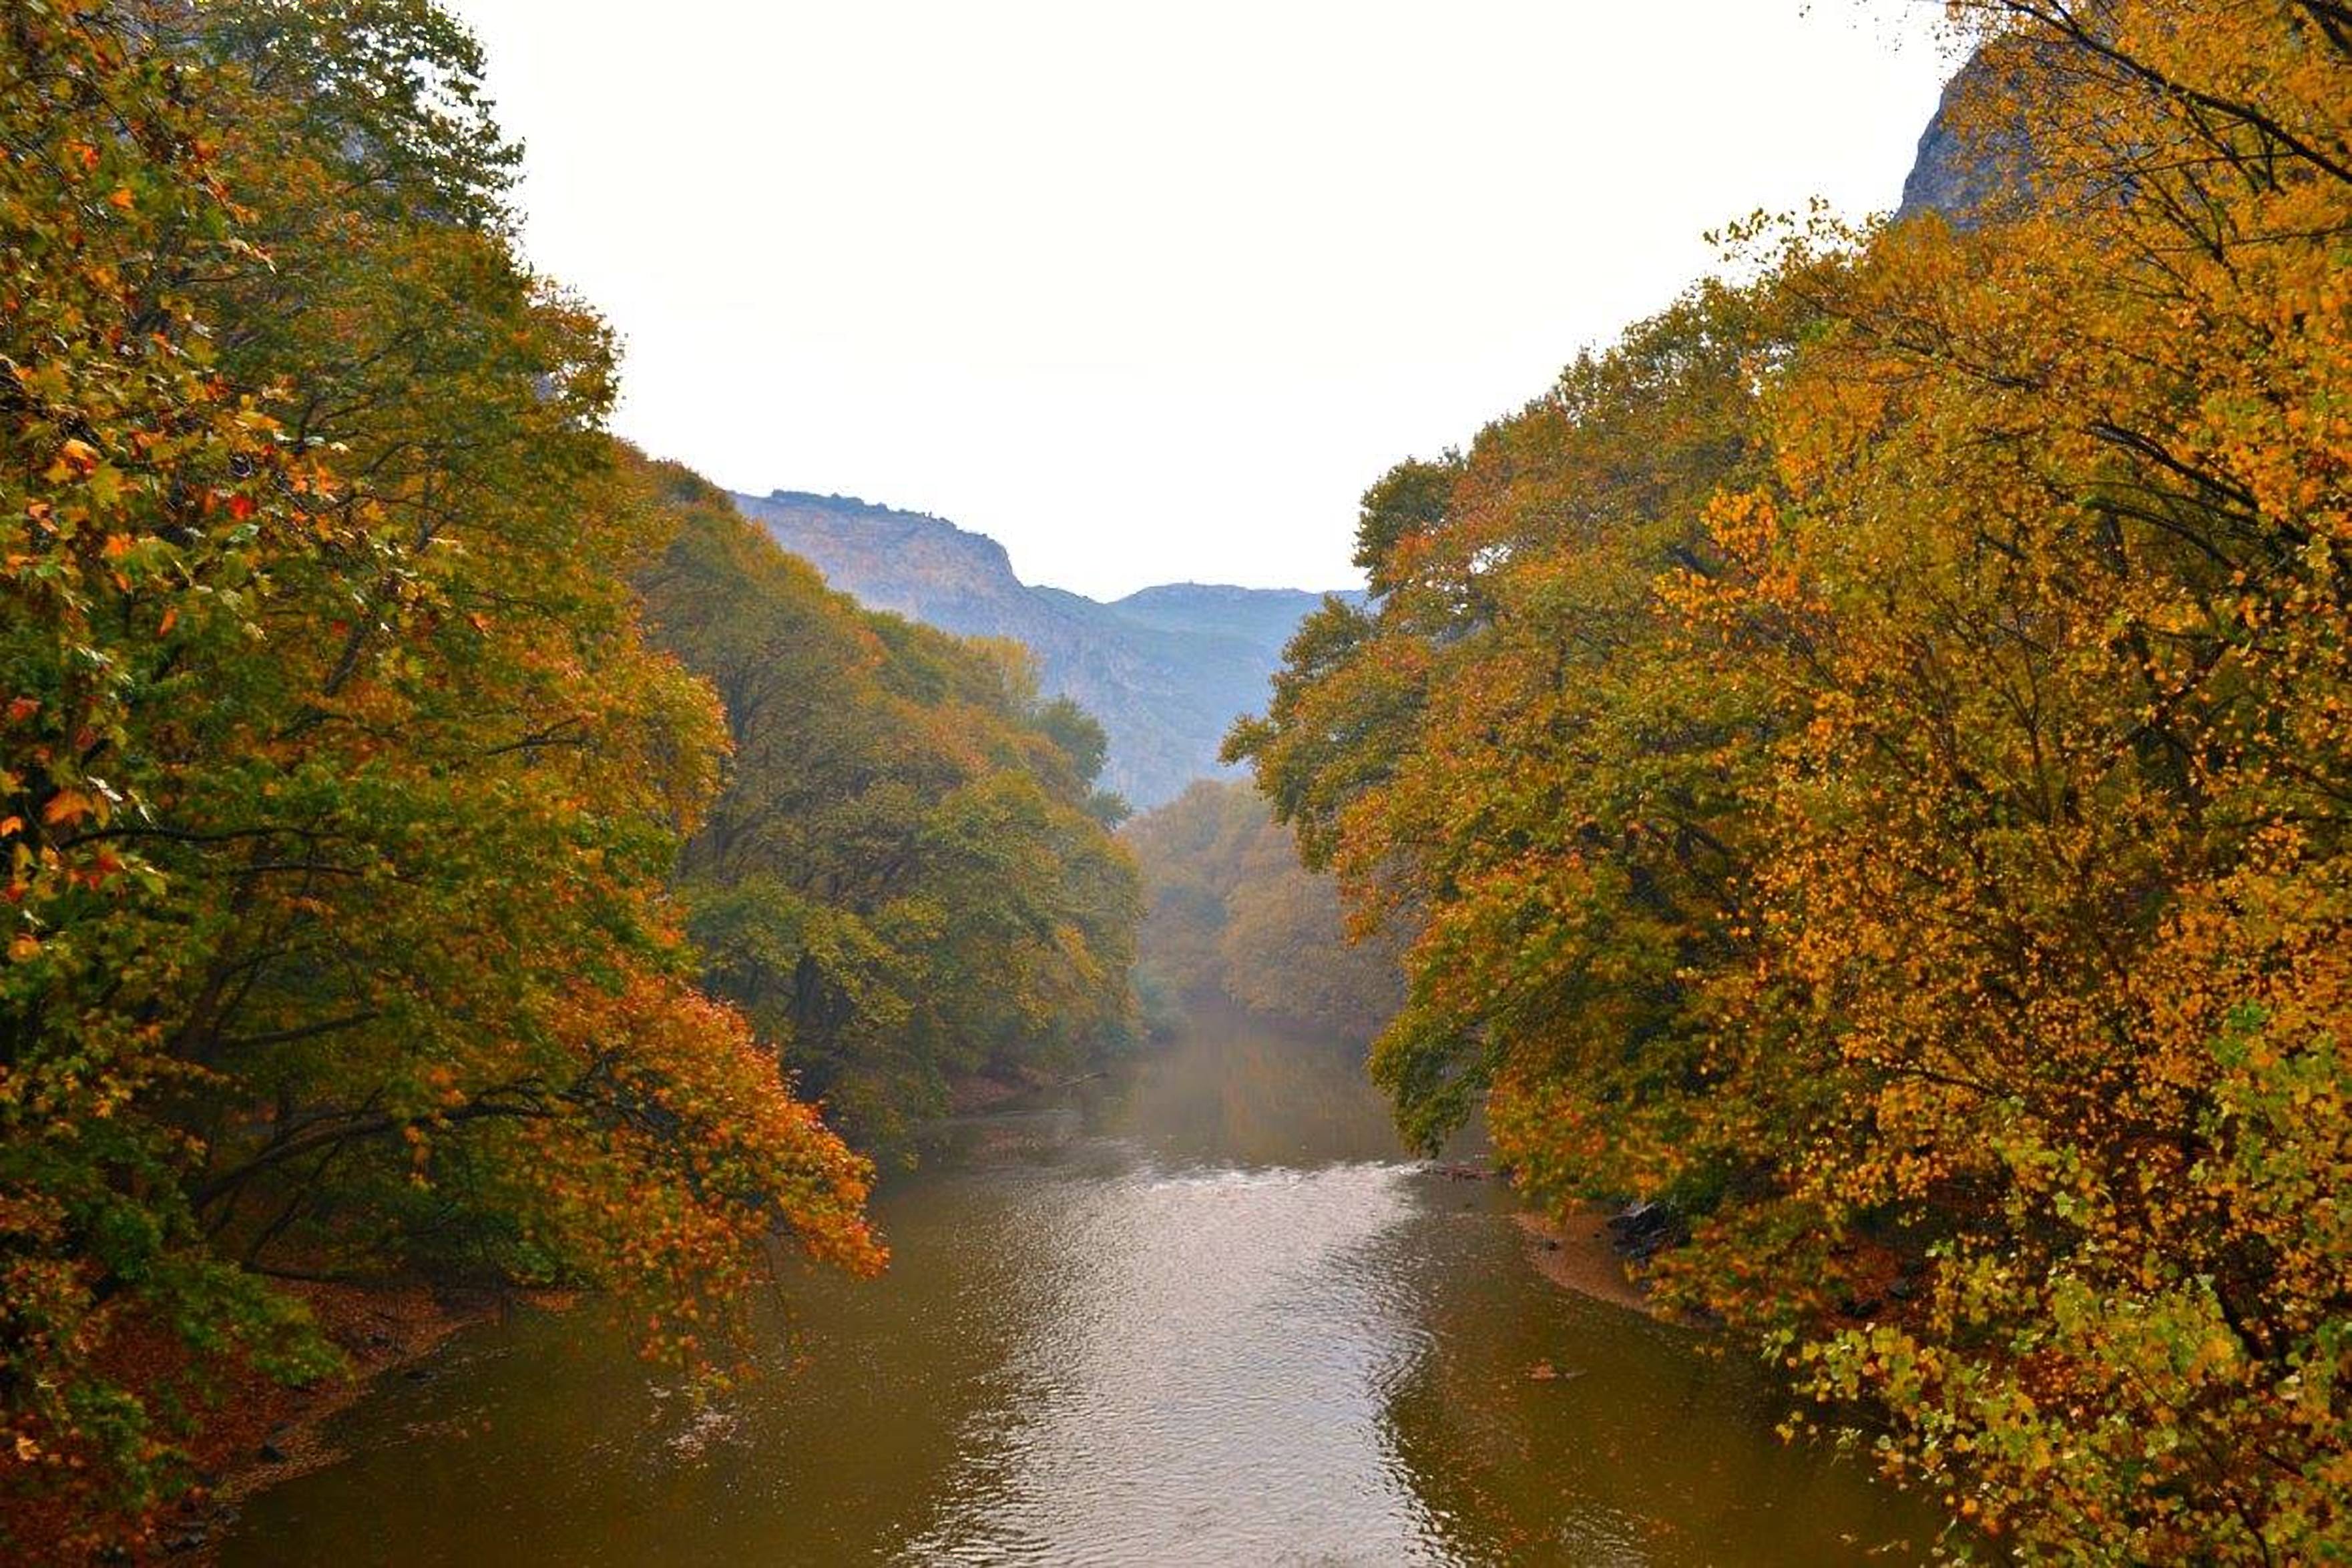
(1199,1311)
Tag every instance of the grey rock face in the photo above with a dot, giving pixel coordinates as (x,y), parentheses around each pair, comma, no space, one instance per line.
(1977,152)
(1940,174)
(1166,670)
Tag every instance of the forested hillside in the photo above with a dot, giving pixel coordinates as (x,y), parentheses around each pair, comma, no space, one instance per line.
(908,877)
(1865,757)
(1231,917)
(342,791)
(1166,669)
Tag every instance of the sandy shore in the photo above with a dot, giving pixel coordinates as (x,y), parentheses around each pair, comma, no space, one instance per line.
(1577,1256)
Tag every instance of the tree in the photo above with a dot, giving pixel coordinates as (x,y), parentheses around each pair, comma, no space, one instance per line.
(908,880)
(1233,915)
(1870,757)
(1510,747)
(340,789)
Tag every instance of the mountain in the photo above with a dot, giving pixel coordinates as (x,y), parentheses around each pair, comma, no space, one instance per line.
(1166,669)
(1979,148)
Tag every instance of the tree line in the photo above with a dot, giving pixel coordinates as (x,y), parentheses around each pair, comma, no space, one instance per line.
(437,841)
(1867,757)
(1232,919)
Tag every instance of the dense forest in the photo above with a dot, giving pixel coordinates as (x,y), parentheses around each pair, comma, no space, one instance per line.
(1232,918)
(1867,759)
(908,877)
(439,842)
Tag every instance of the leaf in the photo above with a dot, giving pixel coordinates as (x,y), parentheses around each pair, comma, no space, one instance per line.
(68,806)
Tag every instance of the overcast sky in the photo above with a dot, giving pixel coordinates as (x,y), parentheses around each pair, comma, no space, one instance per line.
(1152,292)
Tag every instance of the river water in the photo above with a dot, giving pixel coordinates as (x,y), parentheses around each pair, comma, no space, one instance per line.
(1199,1311)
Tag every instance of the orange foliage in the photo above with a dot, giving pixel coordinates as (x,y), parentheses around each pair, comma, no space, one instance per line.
(340,789)
(1878,775)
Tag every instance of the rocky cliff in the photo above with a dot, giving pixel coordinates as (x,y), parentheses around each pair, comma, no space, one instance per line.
(1166,670)
(1978,150)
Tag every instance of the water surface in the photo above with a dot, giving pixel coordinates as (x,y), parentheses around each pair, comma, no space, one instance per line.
(1201,1312)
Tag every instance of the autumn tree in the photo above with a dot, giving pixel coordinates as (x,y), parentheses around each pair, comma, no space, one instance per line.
(339,790)
(908,880)
(1508,749)
(1232,917)
(2055,885)
(1870,751)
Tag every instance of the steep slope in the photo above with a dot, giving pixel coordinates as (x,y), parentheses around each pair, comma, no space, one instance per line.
(1979,148)
(884,772)
(1166,670)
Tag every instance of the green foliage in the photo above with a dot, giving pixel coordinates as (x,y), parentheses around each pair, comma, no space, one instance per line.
(1232,914)
(908,879)
(338,789)
(1867,757)
(1409,503)
(1518,713)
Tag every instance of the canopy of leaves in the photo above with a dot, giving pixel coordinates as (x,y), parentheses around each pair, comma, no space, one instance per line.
(907,880)
(1869,757)
(339,788)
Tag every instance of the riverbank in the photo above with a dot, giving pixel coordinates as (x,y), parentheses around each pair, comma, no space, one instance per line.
(264,1434)
(1579,1254)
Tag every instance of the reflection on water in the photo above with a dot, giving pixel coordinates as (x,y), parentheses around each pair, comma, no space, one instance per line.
(1130,1430)
(1202,1312)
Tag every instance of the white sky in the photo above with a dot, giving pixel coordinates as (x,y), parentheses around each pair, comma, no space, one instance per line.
(1153,292)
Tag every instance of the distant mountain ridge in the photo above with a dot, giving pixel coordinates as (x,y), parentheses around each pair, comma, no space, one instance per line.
(1166,669)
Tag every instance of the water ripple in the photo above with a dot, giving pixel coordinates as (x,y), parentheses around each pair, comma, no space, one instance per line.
(1207,1381)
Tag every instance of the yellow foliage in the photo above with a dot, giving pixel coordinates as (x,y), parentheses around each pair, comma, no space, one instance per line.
(1892,801)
